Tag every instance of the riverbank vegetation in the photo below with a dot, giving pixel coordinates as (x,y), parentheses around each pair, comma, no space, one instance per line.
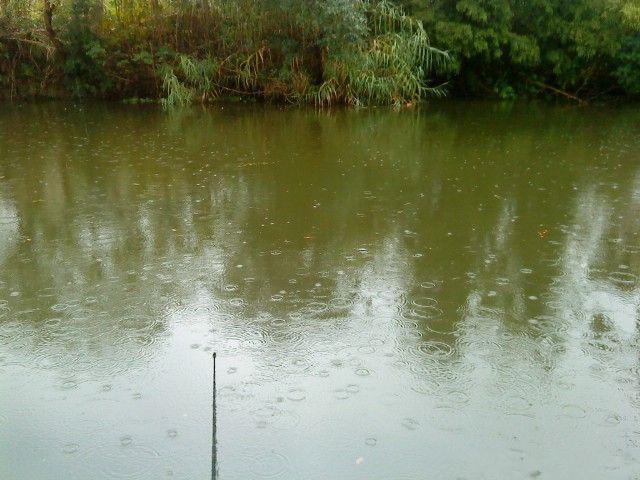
(318,51)
(324,52)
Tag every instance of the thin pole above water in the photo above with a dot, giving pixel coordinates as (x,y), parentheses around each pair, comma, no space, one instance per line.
(214,419)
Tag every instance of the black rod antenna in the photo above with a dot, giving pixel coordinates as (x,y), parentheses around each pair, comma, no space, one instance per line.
(214,420)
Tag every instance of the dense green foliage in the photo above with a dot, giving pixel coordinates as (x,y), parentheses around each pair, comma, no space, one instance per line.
(346,51)
(579,48)
(318,51)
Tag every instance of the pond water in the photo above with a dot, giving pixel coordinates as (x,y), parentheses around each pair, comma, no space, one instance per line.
(451,293)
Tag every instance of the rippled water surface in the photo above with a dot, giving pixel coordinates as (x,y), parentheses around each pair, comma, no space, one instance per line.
(445,294)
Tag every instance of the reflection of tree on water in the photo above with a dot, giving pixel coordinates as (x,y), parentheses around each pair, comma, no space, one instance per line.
(8,227)
(289,228)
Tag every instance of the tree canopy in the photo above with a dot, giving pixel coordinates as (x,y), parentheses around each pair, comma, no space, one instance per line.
(585,48)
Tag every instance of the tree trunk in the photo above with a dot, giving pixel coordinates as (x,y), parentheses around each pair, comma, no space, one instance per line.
(47,17)
(317,63)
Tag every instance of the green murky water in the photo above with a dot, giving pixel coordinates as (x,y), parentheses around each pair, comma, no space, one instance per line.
(446,294)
